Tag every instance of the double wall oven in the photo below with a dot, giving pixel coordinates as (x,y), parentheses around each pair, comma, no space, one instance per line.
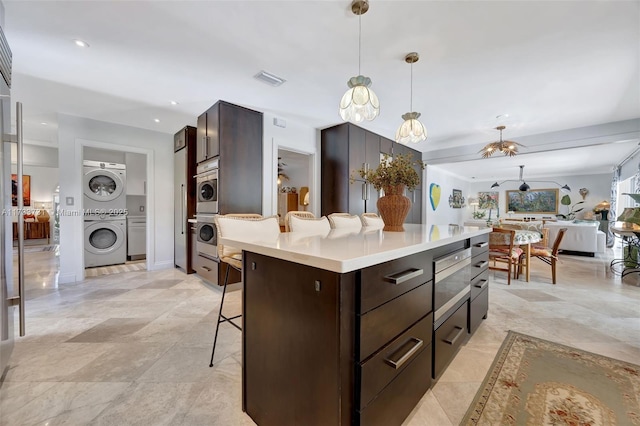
(207,208)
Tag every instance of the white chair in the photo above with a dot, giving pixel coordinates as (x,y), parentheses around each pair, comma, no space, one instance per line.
(371,221)
(311,226)
(248,226)
(344,221)
(296,213)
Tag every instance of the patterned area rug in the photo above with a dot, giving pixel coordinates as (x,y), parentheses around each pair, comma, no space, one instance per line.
(537,382)
(138,265)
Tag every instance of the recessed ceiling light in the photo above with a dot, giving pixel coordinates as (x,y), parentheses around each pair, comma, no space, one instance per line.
(157,120)
(173,103)
(43,123)
(81,43)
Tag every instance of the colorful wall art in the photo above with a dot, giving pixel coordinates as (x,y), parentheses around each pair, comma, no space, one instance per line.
(488,200)
(434,195)
(26,190)
(533,201)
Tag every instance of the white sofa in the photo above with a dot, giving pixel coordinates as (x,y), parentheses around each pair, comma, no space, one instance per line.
(581,237)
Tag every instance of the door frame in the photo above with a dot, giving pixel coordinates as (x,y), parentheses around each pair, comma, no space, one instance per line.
(313,181)
(80,144)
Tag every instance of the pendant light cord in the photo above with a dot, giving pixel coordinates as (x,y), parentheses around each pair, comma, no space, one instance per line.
(359,38)
(411,95)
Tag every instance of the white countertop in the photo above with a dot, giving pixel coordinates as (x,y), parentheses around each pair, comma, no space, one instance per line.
(338,252)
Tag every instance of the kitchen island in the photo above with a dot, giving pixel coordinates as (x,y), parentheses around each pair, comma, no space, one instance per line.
(351,328)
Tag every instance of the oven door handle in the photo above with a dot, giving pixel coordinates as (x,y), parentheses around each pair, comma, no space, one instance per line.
(401,277)
(452,269)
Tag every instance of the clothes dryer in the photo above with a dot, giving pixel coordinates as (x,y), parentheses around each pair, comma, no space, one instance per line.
(105,241)
(104,187)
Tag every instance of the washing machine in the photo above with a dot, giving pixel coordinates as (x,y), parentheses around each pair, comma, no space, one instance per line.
(104,187)
(105,241)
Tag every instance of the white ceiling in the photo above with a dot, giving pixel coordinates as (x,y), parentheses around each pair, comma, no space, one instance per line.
(549,65)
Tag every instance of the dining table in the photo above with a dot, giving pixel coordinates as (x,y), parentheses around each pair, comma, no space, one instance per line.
(524,238)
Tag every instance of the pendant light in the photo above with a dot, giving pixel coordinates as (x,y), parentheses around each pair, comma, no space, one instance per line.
(525,186)
(412,130)
(508,148)
(359,102)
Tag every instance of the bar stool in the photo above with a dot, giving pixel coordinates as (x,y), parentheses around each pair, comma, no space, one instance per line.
(345,221)
(296,213)
(243,225)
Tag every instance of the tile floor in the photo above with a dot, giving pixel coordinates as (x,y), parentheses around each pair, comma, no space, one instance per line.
(134,348)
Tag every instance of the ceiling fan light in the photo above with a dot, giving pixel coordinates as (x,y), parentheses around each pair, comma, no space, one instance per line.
(411,130)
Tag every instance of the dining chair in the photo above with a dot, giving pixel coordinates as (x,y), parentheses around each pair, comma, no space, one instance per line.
(503,250)
(344,221)
(241,225)
(372,221)
(549,255)
(296,213)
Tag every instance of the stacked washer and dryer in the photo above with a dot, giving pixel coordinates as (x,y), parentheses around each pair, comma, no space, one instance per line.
(105,213)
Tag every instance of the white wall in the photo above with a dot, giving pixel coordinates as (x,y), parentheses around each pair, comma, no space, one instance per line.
(295,137)
(74,133)
(444,215)
(599,187)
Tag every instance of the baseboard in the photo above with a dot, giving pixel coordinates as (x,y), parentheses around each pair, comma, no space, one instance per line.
(67,278)
(578,253)
(162,265)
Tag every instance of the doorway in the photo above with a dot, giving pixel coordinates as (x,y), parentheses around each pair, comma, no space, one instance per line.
(294,182)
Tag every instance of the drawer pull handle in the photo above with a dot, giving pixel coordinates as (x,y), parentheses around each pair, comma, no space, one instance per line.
(206,269)
(404,358)
(481,245)
(482,264)
(401,277)
(482,284)
(452,340)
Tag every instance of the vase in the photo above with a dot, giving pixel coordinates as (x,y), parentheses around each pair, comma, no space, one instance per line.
(43,216)
(393,208)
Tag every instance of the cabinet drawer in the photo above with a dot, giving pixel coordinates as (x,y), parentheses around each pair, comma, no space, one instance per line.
(479,283)
(478,309)
(377,372)
(397,400)
(381,283)
(479,244)
(206,268)
(448,338)
(379,326)
(479,264)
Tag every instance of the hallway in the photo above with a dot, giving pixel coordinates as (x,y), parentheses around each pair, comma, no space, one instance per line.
(133,348)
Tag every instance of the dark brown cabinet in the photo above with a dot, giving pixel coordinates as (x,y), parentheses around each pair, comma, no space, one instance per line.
(346,148)
(208,142)
(234,135)
(479,300)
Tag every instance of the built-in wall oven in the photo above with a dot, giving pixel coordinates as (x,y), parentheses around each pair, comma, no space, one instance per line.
(207,187)
(451,283)
(206,236)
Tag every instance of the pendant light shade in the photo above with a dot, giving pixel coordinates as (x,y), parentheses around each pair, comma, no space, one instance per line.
(524,186)
(359,103)
(411,130)
(508,148)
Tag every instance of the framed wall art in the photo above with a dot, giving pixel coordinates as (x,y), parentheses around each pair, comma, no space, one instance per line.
(26,189)
(456,200)
(533,201)
(488,200)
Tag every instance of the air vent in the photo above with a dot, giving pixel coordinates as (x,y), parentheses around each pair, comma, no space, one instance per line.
(5,58)
(270,79)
